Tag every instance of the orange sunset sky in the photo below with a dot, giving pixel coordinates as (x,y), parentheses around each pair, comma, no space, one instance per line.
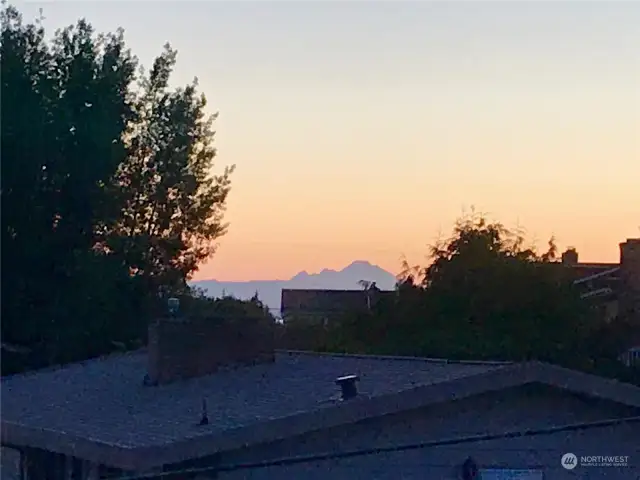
(361,130)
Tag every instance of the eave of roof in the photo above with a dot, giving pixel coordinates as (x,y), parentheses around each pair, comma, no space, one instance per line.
(502,377)
(599,294)
(361,408)
(596,265)
(604,273)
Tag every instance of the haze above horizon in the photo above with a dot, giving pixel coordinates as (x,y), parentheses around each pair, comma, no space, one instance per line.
(306,273)
(360,130)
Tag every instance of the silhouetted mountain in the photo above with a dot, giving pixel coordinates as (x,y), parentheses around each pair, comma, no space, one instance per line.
(269,291)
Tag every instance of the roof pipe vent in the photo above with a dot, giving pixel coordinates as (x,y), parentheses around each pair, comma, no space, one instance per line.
(470,470)
(348,386)
(204,418)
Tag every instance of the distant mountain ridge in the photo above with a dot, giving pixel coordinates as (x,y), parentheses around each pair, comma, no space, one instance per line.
(269,291)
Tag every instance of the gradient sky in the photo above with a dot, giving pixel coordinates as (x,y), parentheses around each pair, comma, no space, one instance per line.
(362,130)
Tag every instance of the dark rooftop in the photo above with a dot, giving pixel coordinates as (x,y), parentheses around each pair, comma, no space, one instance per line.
(101,411)
(105,399)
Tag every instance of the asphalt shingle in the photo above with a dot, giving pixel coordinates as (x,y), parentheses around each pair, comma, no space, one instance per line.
(105,399)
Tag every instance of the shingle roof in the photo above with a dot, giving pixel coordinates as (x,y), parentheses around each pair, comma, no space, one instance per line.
(100,410)
(105,399)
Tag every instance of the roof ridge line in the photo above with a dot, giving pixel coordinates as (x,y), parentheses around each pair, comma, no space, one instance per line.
(409,358)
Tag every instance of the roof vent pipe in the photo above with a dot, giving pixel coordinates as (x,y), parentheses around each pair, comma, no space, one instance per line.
(348,386)
(204,419)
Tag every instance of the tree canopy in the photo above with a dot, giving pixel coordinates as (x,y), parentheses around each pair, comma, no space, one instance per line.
(500,297)
(108,188)
(484,294)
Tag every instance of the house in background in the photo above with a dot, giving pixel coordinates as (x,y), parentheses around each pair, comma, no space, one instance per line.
(614,287)
(322,304)
(203,396)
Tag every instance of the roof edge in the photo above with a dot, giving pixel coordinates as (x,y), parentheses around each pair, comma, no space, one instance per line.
(406,358)
(595,265)
(361,408)
(15,435)
(341,290)
(62,366)
(595,276)
(588,384)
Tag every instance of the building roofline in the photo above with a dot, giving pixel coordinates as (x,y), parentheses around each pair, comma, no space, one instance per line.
(604,273)
(360,408)
(394,357)
(599,293)
(61,366)
(16,435)
(341,290)
(595,265)
(283,461)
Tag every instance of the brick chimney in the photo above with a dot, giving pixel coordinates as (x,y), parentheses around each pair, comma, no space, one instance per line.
(630,278)
(179,349)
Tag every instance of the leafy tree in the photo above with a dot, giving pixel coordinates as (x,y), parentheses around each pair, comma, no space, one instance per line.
(64,107)
(306,334)
(107,190)
(173,204)
(484,294)
(499,298)
(240,316)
